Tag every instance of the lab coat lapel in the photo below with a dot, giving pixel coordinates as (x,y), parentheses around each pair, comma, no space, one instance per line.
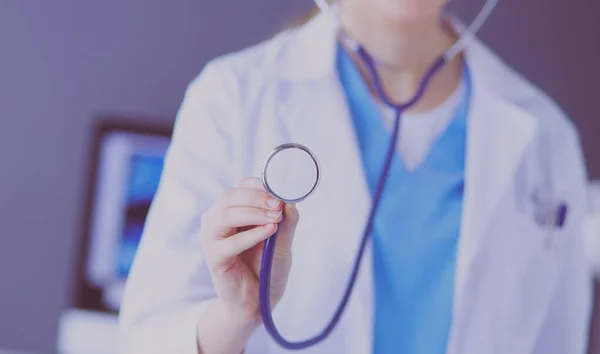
(499,133)
(318,117)
(315,113)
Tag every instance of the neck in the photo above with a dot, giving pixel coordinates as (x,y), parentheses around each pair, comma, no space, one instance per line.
(404,50)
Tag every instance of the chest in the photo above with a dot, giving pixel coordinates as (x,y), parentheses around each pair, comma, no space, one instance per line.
(507,262)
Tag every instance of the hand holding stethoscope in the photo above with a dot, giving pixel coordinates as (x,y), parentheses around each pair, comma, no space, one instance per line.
(232,235)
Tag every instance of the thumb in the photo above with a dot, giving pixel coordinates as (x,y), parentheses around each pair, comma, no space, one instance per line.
(287,228)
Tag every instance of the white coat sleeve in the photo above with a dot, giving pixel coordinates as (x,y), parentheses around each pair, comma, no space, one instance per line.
(169,283)
(567,326)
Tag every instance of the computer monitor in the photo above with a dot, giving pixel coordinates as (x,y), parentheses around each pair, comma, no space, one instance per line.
(126,170)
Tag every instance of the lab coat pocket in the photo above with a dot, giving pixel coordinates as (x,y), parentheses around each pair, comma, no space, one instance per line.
(536,249)
(526,284)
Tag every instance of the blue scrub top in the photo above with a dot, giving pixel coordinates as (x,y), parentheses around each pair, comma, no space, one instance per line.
(416,230)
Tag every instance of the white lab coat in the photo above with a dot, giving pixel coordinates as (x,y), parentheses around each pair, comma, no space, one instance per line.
(520,287)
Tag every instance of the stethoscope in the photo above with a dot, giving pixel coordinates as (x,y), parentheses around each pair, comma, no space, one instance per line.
(276,166)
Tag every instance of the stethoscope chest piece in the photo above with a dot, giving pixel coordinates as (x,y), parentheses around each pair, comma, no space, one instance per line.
(291,173)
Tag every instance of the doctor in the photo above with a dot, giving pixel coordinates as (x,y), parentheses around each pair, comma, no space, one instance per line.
(467,254)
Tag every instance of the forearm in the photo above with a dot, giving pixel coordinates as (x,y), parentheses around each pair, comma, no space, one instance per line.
(222,332)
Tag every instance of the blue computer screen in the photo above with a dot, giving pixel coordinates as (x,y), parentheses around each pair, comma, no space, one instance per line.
(143,179)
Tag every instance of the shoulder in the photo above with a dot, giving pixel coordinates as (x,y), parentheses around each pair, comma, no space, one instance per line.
(247,67)
(556,145)
(230,84)
(296,54)
(552,121)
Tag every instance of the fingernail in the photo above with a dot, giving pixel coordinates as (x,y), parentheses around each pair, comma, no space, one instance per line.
(273,203)
(273,214)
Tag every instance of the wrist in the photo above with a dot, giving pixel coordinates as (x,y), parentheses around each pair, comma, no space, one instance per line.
(238,319)
(222,330)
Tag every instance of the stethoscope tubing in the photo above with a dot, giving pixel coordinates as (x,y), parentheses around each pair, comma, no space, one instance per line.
(270,243)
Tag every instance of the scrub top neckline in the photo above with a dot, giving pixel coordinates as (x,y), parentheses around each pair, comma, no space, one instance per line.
(434,158)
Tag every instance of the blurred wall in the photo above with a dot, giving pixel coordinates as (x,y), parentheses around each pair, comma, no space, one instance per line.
(63,62)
